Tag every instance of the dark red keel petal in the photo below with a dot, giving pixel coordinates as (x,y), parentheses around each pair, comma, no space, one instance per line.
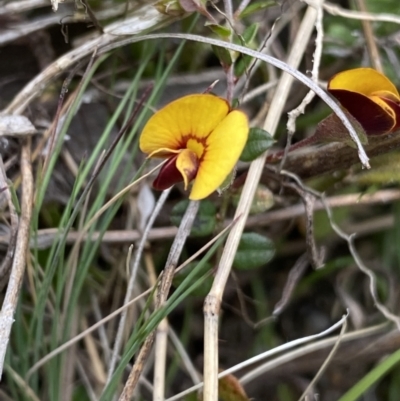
(168,175)
(372,117)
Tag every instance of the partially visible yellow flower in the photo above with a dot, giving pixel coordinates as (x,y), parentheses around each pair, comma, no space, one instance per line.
(370,97)
(202,139)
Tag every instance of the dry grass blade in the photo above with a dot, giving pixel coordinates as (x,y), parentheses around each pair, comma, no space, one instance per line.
(326,362)
(364,16)
(132,278)
(14,220)
(115,313)
(20,254)
(265,355)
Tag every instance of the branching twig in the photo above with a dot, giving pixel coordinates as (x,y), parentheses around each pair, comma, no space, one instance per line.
(294,114)
(293,278)
(369,39)
(350,243)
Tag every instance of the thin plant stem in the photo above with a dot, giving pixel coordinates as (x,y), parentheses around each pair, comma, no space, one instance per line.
(212,302)
(132,280)
(165,284)
(21,250)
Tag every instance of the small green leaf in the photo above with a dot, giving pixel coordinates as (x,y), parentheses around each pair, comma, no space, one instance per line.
(242,64)
(250,33)
(222,31)
(258,142)
(254,7)
(14,197)
(235,103)
(224,56)
(205,221)
(254,251)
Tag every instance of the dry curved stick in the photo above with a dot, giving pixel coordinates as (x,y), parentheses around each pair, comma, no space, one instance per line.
(46,237)
(333,9)
(144,19)
(21,248)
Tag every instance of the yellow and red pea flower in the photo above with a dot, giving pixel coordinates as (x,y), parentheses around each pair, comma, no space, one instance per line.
(201,137)
(370,97)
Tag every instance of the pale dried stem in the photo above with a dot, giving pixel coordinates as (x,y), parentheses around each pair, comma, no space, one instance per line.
(187,362)
(228,11)
(342,12)
(242,6)
(213,300)
(160,357)
(164,287)
(372,47)
(132,279)
(326,362)
(46,237)
(281,348)
(306,350)
(21,383)
(294,114)
(20,254)
(5,265)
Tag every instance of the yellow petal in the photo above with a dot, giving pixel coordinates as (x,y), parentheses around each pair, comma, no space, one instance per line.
(223,149)
(189,116)
(385,106)
(362,80)
(386,95)
(187,164)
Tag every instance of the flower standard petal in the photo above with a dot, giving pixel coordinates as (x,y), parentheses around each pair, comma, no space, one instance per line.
(368,96)
(365,81)
(189,116)
(223,149)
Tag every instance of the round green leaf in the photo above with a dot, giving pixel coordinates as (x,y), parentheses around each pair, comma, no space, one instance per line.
(254,251)
(258,142)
